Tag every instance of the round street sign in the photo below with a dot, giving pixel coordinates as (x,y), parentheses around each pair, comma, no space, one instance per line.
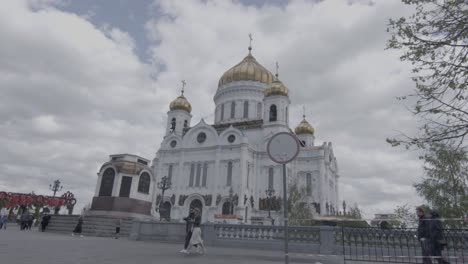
(283,147)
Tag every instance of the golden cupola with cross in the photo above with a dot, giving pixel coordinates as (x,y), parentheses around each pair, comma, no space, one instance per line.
(276,87)
(179,116)
(305,132)
(247,70)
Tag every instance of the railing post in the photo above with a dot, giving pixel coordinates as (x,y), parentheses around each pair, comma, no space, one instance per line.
(327,240)
(209,234)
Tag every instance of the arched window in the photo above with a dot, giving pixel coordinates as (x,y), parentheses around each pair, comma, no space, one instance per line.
(287,116)
(197,179)
(246,109)
(270,178)
(205,174)
(107,182)
(309,183)
(169,173)
(226,208)
(233,109)
(173,124)
(185,123)
(229,174)
(192,172)
(259,111)
(222,112)
(144,183)
(273,113)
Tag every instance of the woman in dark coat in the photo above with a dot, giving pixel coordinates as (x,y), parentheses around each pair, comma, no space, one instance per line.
(78,227)
(436,237)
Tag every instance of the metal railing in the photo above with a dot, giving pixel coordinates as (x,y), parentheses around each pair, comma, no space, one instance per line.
(398,245)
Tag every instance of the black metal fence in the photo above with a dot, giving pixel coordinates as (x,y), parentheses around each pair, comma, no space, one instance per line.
(399,245)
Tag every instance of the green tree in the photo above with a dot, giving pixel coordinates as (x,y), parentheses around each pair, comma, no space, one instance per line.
(299,210)
(445,185)
(406,216)
(355,212)
(434,39)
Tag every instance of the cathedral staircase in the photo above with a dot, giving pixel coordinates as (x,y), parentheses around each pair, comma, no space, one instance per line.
(101,226)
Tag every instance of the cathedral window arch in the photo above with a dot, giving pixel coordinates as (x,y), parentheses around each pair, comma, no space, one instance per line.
(287,116)
(222,112)
(173,125)
(192,173)
(226,208)
(259,111)
(309,183)
(107,182)
(144,183)
(233,109)
(270,178)
(197,179)
(205,174)
(246,109)
(169,172)
(185,123)
(273,113)
(229,174)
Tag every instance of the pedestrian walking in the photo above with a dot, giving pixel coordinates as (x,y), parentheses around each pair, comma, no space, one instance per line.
(188,229)
(79,227)
(437,238)
(45,221)
(118,224)
(3,222)
(423,236)
(196,239)
(30,221)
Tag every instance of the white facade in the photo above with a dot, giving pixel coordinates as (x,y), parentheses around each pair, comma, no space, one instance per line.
(228,159)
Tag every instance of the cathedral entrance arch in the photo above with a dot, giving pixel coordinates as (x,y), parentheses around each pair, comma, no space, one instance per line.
(197,204)
(165,211)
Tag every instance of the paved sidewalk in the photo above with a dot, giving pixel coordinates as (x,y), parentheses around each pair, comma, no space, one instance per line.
(33,247)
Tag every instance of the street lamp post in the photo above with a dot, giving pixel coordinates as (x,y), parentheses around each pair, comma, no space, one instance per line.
(269,192)
(163,185)
(55,187)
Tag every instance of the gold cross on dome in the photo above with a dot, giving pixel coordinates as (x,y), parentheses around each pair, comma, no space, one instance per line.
(303,111)
(250,44)
(277,69)
(183,86)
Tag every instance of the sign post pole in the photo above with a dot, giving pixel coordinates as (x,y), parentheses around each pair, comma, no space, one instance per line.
(282,148)
(285,204)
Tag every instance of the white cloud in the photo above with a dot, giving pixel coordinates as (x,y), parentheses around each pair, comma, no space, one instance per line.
(73,92)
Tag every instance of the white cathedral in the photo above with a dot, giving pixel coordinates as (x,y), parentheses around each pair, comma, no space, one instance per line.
(223,168)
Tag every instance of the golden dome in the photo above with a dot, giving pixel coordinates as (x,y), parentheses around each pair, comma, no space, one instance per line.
(247,70)
(304,128)
(276,88)
(180,103)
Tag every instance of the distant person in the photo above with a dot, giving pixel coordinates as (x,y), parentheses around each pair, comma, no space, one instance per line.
(196,239)
(188,229)
(437,238)
(118,225)
(24,221)
(45,221)
(30,221)
(79,227)
(423,236)
(3,222)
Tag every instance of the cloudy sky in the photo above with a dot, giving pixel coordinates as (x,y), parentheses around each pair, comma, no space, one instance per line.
(80,80)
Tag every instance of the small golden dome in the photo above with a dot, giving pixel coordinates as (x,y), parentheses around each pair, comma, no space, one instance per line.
(276,88)
(247,70)
(304,128)
(180,103)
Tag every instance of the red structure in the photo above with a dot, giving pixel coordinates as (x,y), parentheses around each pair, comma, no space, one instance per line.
(10,200)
